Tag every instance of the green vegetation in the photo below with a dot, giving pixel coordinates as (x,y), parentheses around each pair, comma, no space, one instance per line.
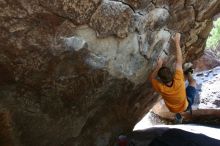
(213,40)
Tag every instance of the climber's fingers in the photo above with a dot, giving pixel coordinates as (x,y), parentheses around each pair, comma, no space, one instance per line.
(176,37)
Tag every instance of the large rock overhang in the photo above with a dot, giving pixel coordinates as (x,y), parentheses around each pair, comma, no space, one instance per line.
(76,70)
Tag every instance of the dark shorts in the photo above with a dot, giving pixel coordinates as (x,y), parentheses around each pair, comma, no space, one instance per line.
(190,93)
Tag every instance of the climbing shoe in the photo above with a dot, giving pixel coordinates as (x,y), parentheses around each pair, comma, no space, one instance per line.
(178,118)
(187,68)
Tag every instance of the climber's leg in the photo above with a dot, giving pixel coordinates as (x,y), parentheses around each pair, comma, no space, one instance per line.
(190,91)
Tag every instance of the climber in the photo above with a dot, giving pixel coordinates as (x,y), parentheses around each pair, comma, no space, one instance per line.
(172,87)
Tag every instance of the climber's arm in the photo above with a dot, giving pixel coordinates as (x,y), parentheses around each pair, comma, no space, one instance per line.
(153,75)
(179,58)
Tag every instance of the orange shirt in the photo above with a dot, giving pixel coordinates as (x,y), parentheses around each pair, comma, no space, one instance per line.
(174,96)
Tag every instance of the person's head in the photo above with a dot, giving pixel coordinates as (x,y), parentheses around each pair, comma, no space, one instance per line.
(165,75)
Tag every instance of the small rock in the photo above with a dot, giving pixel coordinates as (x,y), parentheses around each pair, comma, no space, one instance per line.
(200,74)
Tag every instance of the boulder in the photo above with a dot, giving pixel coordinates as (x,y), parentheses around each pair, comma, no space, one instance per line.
(207,61)
(75,72)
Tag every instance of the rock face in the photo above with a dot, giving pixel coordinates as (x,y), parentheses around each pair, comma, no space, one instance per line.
(75,72)
(206,62)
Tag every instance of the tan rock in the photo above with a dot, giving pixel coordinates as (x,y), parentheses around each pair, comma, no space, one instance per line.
(112,18)
(206,62)
(78,11)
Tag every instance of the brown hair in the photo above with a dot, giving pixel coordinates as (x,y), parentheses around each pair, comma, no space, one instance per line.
(165,75)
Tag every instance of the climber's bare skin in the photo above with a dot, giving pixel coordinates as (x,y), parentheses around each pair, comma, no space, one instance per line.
(155,71)
(165,75)
(179,62)
(179,59)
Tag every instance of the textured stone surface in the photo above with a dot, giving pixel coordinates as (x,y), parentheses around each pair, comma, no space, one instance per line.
(206,62)
(76,70)
(112,18)
(79,11)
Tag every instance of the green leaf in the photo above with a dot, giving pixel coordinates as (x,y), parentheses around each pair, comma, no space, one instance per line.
(214,38)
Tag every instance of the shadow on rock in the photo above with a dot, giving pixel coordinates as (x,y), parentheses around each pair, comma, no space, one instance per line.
(167,137)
